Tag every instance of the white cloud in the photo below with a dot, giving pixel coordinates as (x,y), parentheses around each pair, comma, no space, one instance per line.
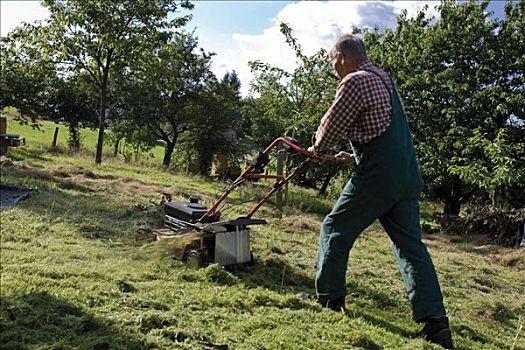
(13,13)
(315,25)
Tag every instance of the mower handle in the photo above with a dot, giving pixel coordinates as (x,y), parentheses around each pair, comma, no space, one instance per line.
(288,142)
(256,167)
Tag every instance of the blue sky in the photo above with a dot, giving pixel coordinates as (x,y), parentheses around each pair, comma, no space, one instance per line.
(249,17)
(240,31)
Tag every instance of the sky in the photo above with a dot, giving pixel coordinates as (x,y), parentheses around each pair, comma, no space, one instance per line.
(242,31)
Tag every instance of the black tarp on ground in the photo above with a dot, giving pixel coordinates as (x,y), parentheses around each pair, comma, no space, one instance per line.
(10,195)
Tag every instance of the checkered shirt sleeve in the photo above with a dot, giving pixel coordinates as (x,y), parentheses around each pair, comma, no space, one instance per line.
(361,109)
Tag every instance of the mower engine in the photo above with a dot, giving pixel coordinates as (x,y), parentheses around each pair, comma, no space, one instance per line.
(187,212)
(199,243)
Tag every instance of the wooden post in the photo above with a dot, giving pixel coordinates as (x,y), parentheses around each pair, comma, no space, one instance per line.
(55,137)
(279,195)
(3,130)
(285,200)
(3,125)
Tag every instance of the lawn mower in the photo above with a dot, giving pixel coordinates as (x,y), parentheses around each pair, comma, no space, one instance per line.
(198,237)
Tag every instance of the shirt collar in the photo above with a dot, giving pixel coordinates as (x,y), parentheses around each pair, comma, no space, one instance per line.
(364,65)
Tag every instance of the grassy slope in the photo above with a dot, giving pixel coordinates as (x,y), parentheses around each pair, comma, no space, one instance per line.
(42,137)
(77,273)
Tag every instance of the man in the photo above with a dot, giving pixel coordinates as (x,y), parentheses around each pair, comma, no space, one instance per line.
(368,110)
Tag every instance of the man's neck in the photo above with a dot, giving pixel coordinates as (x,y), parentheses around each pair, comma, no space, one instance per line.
(358,64)
(352,65)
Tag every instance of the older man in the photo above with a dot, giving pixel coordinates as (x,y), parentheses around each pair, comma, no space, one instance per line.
(368,110)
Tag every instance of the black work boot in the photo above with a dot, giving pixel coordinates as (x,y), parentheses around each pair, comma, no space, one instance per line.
(336,304)
(437,331)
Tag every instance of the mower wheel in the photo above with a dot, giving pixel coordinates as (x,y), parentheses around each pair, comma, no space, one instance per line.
(195,259)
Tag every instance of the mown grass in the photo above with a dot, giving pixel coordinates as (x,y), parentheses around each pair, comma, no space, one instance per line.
(77,272)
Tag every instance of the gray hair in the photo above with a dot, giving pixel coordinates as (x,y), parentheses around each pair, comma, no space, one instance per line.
(349,45)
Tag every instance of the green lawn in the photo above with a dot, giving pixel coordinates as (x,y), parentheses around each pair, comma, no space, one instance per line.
(78,273)
(41,137)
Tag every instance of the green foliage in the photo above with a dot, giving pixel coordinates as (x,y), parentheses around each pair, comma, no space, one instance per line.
(214,124)
(490,165)
(129,141)
(461,77)
(163,91)
(72,103)
(37,90)
(499,169)
(99,37)
(25,79)
(290,103)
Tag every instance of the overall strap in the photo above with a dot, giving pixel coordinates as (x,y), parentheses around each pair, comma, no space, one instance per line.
(383,80)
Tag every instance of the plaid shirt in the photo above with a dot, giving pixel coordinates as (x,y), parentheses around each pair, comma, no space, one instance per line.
(361,109)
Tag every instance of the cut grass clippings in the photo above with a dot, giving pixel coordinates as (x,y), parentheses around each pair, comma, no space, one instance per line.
(78,272)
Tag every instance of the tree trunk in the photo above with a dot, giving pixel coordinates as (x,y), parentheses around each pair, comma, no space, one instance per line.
(101,120)
(326,182)
(168,151)
(205,163)
(279,195)
(203,167)
(115,148)
(453,201)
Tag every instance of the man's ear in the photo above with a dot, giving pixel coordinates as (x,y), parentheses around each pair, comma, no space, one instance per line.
(345,58)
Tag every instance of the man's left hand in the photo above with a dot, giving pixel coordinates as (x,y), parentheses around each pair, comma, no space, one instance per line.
(345,157)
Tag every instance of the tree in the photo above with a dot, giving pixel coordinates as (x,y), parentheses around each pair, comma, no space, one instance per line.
(215,113)
(461,76)
(36,88)
(296,100)
(162,91)
(292,104)
(24,78)
(130,141)
(70,102)
(101,36)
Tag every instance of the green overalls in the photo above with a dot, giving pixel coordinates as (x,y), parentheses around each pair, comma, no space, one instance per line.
(387,185)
